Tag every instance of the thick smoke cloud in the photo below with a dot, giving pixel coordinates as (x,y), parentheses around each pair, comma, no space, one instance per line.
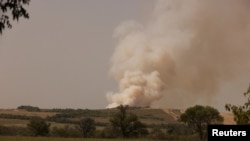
(183,54)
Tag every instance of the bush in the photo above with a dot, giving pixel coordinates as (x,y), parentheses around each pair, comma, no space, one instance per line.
(38,127)
(86,126)
(13,131)
(66,132)
(158,134)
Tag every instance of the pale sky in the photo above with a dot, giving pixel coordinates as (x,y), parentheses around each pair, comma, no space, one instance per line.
(60,57)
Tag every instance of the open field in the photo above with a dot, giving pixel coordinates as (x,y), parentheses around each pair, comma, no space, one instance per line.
(146,115)
(13,122)
(20,138)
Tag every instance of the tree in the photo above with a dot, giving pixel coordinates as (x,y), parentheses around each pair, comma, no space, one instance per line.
(241,113)
(38,127)
(29,108)
(86,126)
(66,131)
(199,117)
(17,10)
(127,125)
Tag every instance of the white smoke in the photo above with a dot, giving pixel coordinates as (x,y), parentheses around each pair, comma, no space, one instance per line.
(186,50)
(138,88)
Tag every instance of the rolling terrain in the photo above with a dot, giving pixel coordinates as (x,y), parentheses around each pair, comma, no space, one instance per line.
(60,117)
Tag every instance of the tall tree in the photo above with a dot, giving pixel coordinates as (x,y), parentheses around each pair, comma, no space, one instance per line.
(241,113)
(39,127)
(86,126)
(127,125)
(198,117)
(13,7)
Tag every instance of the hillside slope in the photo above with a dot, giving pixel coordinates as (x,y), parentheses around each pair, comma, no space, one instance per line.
(175,113)
(148,116)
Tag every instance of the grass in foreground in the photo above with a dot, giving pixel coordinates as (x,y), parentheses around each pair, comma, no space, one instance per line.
(21,138)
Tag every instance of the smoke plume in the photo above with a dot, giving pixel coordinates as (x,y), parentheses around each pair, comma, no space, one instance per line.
(183,53)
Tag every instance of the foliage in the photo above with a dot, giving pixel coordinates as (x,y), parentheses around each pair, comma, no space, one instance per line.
(29,108)
(22,117)
(16,8)
(110,132)
(198,117)
(65,132)
(241,113)
(86,126)
(157,117)
(157,133)
(127,125)
(168,130)
(66,115)
(178,129)
(38,127)
(13,131)
(22,138)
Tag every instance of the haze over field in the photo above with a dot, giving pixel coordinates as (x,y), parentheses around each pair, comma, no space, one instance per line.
(96,54)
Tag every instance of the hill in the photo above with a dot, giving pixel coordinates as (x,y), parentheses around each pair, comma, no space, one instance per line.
(60,117)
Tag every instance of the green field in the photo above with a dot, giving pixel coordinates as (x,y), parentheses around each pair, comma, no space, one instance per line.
(20,138)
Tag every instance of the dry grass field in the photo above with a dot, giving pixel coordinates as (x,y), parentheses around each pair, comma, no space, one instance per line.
(151,117)
(228,118)
(26,113)
(146,115)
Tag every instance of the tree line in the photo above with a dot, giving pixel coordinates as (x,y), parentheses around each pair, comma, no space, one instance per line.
(122,124)
(192,123)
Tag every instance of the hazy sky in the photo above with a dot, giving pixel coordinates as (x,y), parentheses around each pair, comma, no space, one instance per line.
(60,57)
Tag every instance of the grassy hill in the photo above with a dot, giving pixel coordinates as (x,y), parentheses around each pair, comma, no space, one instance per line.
(60,117)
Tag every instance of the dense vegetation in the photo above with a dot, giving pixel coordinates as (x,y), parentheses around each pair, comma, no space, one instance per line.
(242,112)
